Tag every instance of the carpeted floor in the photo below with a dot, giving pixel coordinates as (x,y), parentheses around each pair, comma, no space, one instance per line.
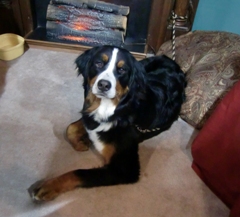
(40,95)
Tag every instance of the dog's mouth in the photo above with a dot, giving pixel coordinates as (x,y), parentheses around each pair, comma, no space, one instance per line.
(103,95)
(109,94)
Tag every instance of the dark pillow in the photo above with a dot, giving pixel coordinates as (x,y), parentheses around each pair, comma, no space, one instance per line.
(211,61)
(216,151)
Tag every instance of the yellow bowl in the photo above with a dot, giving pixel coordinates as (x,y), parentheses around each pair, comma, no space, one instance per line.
(11,46)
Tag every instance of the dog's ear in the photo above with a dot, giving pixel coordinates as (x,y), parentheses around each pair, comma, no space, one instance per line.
(83,60)
(82,65)
(137,81)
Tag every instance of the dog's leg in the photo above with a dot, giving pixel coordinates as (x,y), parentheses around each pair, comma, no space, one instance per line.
(77,136)
(122,168)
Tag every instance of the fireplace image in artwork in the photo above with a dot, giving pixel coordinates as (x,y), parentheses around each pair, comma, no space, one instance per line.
(140,26)
(90,22)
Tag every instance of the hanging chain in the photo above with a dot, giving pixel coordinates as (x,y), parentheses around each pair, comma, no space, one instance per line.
(174,17)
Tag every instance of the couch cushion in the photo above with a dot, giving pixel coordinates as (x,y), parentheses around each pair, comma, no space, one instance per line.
(235,210)
(211,61)
(216,150)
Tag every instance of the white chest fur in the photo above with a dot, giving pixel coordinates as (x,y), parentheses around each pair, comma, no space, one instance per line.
(93,135)
(101,114)
(104,111)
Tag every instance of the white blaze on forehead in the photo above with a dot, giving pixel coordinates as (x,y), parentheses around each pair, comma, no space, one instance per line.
(112,61)
(106,107)
(108,75)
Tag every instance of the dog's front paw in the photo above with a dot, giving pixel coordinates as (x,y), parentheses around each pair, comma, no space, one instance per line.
(77,136)
(81,144)
(50,189)
(46,191)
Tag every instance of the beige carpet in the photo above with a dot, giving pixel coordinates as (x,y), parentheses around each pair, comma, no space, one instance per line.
(40,95)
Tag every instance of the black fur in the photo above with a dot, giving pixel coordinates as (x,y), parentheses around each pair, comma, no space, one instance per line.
(124,166)
(156,93)
(121,96)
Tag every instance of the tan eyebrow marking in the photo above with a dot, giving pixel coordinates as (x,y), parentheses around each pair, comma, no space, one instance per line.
(120,64)
(105,57)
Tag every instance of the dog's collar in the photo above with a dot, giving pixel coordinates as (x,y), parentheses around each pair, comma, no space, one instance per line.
(147,130)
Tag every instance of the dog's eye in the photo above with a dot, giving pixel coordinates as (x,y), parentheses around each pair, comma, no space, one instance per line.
(121,70)
(99,64)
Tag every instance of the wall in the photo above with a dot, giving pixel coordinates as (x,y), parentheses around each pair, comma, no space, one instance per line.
(221,15)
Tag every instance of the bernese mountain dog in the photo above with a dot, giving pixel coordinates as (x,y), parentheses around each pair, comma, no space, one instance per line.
(126,102)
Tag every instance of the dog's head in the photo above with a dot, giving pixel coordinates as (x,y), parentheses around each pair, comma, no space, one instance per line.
(110,73)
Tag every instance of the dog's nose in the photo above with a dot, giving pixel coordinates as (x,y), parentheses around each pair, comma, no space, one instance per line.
(104,85)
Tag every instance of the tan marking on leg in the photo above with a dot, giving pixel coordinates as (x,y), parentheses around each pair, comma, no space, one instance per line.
(77,136)
(50,189)
(107,153)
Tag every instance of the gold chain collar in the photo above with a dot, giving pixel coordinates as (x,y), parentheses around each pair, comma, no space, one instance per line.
(147,130)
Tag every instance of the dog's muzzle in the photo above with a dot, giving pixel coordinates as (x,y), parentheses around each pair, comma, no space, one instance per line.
(104,85)
(104,88)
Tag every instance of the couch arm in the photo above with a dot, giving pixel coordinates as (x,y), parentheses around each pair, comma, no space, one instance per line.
(216,150)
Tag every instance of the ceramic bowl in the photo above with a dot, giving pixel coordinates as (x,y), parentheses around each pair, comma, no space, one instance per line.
(11,46)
